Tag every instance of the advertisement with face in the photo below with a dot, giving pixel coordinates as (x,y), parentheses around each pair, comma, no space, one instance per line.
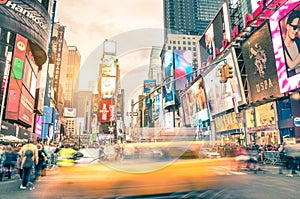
(214,38)
(259,58)
(284,25)
(197,103)
(220,95)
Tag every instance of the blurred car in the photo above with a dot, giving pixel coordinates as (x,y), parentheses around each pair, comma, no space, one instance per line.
(140,179)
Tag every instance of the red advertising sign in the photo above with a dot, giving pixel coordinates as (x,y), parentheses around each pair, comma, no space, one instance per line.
(107,110)
(26,107)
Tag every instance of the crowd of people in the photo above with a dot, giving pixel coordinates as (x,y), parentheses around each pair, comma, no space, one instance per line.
(30,160)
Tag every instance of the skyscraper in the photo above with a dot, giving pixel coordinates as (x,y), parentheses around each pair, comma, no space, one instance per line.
(189,17)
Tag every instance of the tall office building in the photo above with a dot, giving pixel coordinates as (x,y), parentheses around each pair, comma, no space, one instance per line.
(155,64)
(189,17)
(71,77)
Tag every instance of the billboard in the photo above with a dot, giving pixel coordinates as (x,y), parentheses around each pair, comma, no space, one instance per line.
(109,66)
(106,108)
(58,61)
(148,85)
(69,112)
(259,59)
(26,107)
(220,95)
(183,68)
(38,126)
(16,76)
(216,37)
(169,86)
(184,104)
(156,107)
(196,103)
(286,45)
(108,86)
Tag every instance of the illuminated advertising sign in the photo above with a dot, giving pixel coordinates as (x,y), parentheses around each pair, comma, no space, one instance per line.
(58,60)
(197,103)
(110,47)
(33,84)
(30,19)
(220,95)
(216,37)
(15,82)
(26,107)
(183,68)
(70,112)
(156,106)
(148,85)
(108,86)
(27,75)
(109,66)
(106,110)
(284,25)
(168,72)
(55,124)
(185,108)
(259,58)
(48,115)
(38,126)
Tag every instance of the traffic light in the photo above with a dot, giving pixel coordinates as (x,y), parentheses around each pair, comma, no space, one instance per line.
(223,74)
(229,71)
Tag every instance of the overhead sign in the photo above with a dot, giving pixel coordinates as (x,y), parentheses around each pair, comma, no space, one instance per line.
(132,114)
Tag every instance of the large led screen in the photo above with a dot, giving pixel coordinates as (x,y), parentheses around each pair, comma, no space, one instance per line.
(215,36)
(221,96)
(196,103)
(259,60)
(183,68)
(184,104)
(108,87)
(284,25)
(168,72)
(107,108)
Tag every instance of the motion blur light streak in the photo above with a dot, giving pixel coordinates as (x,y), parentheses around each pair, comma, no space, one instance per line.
(104,181)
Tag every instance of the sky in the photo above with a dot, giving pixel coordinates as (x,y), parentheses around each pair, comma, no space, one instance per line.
(89,22)
(136,26)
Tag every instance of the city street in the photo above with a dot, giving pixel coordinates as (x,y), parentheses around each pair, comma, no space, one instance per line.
(264,184)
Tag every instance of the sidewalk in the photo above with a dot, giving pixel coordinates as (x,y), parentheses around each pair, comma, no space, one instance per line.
(13,177)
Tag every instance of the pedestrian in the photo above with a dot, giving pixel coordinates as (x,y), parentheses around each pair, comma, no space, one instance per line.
(29,158)
(10,160)
(2,159)
(39,165)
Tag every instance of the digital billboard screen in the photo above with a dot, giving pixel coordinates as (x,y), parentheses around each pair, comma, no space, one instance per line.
(260,65)
(196,103)
(169,86)
(220,95)
(183,68)
(213,40)
(284,25)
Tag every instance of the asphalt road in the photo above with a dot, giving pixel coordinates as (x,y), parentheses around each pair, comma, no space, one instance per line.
(263,185)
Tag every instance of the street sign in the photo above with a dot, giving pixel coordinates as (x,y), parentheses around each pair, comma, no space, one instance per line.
(130,114)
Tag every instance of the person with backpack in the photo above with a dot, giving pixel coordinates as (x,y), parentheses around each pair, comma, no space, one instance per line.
(29,158)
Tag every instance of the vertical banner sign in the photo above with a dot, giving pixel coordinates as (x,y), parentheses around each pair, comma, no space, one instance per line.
(183,68)
(57,65)
(169,88)
(15,82)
